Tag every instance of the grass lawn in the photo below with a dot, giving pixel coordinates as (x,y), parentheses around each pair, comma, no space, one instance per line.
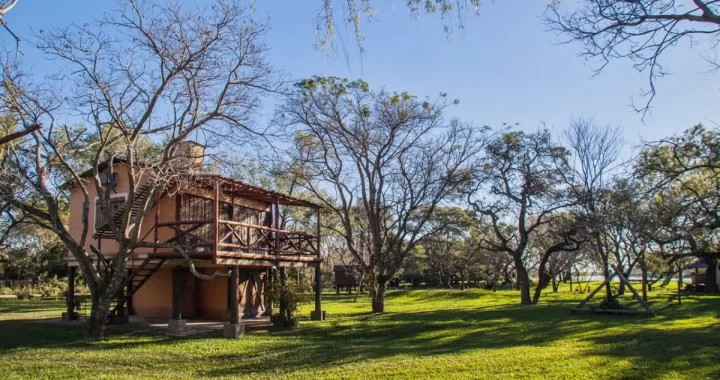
(425,334)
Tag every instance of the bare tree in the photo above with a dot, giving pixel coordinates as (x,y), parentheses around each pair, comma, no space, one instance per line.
(382,163)
(5,7)
(148,72)
(595,151)
(640,31)
(519,190)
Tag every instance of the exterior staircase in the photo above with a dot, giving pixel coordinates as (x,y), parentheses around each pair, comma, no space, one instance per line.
(139,277)
(105,231)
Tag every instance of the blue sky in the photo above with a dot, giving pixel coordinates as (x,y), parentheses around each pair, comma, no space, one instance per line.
(503,66)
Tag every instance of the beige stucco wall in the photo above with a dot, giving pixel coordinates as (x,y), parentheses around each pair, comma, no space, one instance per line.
(109,246)
(202,299)
(211,297)
(154,298)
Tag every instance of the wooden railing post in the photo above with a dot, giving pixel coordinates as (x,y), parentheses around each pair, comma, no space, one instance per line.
(234,303)
(216,223)
(277,226)
(318,232)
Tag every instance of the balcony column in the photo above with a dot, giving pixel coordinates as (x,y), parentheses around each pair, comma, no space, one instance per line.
(318,314)
(177,323)
(234,329)
(69,314)
(283,292)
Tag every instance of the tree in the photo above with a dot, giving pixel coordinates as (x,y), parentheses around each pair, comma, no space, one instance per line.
(382,163)
(595,151)
(158,72)
(681,176)
(451,252)
(556,242)
(525,190)
(356,10)
(640,31)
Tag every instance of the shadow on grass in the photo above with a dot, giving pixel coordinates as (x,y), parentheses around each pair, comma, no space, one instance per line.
(649,344)
(448,332)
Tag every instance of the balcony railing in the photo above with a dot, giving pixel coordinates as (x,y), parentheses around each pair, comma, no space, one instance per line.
(237,239)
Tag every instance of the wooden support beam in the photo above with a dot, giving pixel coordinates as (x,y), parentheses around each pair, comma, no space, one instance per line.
(70,296)
(277,225)
(269,282)
(177,286)
(283,291)
(216,222)
(594,292)
(317,234)
(233,289)
(610,311)
(632,289)
(157,221)
(129,292)
(318,288)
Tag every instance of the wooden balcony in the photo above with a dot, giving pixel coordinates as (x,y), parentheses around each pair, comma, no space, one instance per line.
(237,240)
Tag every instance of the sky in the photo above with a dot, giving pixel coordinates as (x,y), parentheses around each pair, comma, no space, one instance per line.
(503,66)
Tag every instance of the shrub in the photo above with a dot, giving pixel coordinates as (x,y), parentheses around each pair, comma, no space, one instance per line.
(610,303)
(295,294)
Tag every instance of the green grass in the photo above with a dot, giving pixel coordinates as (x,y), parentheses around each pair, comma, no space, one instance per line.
(425,334)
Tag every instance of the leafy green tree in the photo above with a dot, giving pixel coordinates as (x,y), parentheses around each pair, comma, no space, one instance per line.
(382,163)
(682,179)
(519,190)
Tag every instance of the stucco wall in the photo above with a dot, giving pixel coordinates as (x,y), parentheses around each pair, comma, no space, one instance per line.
(154,298)
(202,299)
(211,297)
(109,246)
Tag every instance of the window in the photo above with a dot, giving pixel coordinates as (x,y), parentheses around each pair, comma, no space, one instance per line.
(115,205)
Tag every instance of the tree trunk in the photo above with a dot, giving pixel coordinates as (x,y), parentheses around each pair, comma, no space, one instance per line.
(555,284)
(711,285)
(606,274)
(98,315)
(378,297)
(643,269)
(523,282)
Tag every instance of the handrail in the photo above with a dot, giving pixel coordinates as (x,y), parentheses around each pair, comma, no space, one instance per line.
(241,224)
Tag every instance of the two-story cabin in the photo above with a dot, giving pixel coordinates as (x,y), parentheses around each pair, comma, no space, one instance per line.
(224,223)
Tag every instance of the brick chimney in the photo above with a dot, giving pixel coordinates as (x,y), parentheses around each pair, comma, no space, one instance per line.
(188,156)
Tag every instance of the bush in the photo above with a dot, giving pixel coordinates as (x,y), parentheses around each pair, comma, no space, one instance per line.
(296,293)
(610,303)
(53,288)
(23,293)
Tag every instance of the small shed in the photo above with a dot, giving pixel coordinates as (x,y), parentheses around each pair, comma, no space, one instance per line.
(698,277)
(347,276)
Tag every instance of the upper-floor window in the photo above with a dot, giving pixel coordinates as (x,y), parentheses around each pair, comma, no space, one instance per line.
(116,204)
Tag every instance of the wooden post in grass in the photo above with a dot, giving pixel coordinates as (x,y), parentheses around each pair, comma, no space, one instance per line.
(69,313)
(234,329)
(177,323)
(318,314)
(283,294)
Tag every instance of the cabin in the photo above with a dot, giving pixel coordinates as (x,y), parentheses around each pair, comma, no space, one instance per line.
(346,276)
(226,225)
